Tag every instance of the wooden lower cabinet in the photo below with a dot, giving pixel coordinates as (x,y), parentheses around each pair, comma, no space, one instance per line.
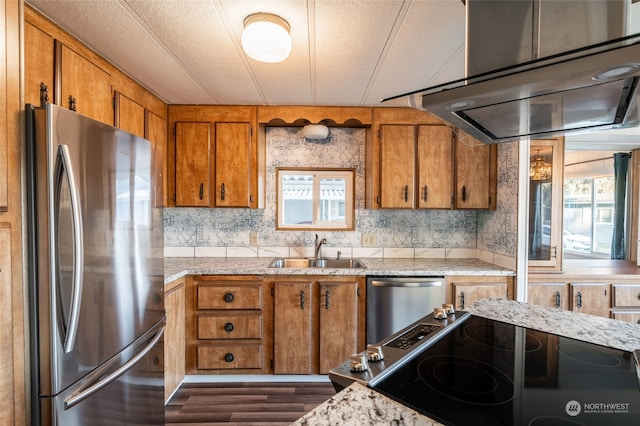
(226,328)
(174,337)
(465,291)
(590,298)
(553,294)
(316,322)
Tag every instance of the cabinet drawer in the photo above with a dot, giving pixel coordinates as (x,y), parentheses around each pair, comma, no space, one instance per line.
(633,317)
(225,326)
(229,297)
(229,356)
(626,295)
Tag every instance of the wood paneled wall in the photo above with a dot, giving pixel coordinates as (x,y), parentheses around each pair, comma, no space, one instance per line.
(13,374)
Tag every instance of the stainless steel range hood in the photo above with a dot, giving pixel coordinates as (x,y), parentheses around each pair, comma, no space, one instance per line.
(541,68)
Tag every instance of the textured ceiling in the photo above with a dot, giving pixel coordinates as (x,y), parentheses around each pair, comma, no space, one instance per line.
(345,52)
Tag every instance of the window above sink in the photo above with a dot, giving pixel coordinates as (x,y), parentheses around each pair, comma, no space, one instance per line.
(315,198)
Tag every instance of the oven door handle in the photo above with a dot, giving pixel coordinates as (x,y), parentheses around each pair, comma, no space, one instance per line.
(399,283)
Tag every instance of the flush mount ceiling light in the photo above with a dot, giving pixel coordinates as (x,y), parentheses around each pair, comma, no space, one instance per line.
(266,38)
(539,169)
(315,131)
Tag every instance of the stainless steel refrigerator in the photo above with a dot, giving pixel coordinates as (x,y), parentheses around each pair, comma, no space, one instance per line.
(95,273)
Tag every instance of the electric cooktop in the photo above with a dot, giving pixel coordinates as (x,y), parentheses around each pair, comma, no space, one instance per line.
(486,372)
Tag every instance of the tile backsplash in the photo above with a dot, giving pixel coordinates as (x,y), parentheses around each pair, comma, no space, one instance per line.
(220,232)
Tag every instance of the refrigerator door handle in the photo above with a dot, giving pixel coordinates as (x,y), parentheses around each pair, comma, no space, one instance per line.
(63,167)
(95,383)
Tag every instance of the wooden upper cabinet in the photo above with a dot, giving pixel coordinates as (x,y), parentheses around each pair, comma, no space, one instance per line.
(476,169)
(233,154)
(435,165)
(156,131)
(397,170)
(129,115)
(84,87)
(38,62)
(193,164)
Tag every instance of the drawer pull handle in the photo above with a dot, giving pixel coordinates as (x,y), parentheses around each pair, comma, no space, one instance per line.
(327,301)
(638,296)
(228,297)
(222,191)
(229,357)
(228,327)
(425,193)
(464,193)
(201,191)
(302,300)
(405,193)
(557,299)
(579,300)
(462,300)
(638,322)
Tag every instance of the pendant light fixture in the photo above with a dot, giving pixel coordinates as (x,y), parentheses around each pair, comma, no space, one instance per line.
(539,169)
(266,37)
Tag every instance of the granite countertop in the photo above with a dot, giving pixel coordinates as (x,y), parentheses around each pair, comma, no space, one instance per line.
(358,405)
(176,267)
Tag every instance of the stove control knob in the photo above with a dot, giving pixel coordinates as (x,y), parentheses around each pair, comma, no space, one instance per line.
(449,308)
(374,353)
(440,313)
(359,362)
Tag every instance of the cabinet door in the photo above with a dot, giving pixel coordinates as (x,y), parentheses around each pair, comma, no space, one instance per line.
(473,173)
(554,295)
(435,172)
(397,163)
(338,323)
(292,332)
(233,165)
(38,63)
(466,294)
(129,115)
(174,339)
(590,298)
(84,85)
(193,165)
(155,130)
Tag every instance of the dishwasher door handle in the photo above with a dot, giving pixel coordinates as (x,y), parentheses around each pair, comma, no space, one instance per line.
(398,283)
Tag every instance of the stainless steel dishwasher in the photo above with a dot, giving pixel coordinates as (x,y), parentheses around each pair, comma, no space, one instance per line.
(395,302)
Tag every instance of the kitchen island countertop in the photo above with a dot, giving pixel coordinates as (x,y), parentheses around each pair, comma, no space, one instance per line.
(176,267)
(359,405)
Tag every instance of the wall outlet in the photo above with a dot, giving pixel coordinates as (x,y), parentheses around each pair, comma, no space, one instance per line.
(369,240)
(253,238)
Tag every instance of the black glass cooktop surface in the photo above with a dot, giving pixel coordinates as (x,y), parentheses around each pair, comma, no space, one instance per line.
(486,372)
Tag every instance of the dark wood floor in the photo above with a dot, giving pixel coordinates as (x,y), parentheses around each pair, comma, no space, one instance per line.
(244,403)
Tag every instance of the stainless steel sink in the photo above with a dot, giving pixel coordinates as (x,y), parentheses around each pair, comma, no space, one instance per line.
(308,262)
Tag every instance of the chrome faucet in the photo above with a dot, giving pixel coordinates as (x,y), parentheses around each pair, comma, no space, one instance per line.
(318,246)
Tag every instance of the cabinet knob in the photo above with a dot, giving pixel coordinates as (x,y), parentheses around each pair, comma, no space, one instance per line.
(228,327)
(229,297)
(229,357)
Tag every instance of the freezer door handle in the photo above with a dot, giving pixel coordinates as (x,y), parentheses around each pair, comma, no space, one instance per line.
(399,283)
(96,381)
(64,169)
